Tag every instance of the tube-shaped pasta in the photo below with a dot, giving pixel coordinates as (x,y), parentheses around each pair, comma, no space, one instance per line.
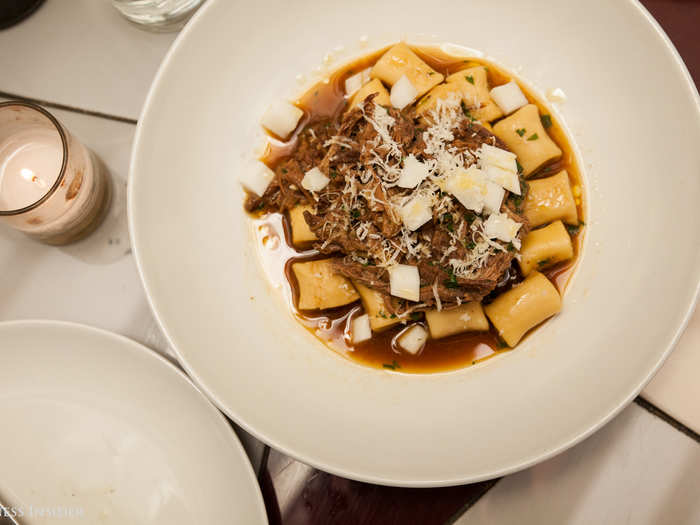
(373,303)
(473,84)
(444,92)
(320,287)
(301,233)
(523,307)
(373,86)
(525,136)
(544,247)
(468,317)
(550,199)
(399,61)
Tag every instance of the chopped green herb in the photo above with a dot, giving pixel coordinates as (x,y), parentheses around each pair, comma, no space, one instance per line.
(543,262)
(546,121)
(517,202)
(573,229)
(355,213)
(466,112)
(502,344)
(469,217)
(392,366)
(533,137)
(284,170)
(431,263)
(470,79)
(471,245)
(382,314)
(520,131)
(452,281)
(392,316)
(333,174)
(259,206)
(415,316)
(431,73)
(520,167)
(510,247)
(447,221)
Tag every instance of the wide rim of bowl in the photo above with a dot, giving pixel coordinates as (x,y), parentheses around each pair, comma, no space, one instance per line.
(617,407)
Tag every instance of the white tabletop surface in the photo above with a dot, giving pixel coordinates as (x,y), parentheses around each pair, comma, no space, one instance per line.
(82,55)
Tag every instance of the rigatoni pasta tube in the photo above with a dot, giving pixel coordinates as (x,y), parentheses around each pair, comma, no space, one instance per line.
(468,317)
(523,307)
(545,247)
(525,136)
(550,199)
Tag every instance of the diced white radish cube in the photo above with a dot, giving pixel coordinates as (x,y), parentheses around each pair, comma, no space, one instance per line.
(314,180)
(256,178)
(493,156)
(281,118)
(413,339)
(403,93)
(413,173)
(416,212)
(474,190)
(493,198)
(360,329)
(509,97)
(500,226)
(499,166)
(356,81)
(404,281)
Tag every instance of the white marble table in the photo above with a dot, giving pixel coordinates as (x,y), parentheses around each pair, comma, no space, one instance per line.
(93,70)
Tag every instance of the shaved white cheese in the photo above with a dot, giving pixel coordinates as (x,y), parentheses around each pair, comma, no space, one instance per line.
(356,81)
(416,212)
(314,180)
(499,166)
(360,329)
(474,190)
(403,93)
(413,339)
(500,226)
(404,281)
(509,97)
(281,118)
(413,173)
(257,178)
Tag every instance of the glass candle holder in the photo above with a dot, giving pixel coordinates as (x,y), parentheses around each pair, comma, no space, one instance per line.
(52,188)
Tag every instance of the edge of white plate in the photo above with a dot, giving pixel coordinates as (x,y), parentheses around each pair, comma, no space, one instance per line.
(152,354)
(358,475)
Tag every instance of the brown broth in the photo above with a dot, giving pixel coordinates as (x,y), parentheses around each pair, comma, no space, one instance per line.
(326,100)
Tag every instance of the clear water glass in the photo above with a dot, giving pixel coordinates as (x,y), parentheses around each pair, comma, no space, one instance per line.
(158,15)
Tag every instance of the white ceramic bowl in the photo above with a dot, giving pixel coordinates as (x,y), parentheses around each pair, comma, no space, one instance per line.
(633,111)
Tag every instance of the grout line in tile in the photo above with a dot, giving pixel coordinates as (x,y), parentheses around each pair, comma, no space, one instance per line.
(55,105)
(472,501)
(667,418)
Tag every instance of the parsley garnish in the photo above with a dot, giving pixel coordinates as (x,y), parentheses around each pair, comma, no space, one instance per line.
(543,262)
(382,314)
(470,216)
(333,174)
(546,121)
(471,245)
(415,316)
(520,131)
(431,73)
(392,316)
(520,167)
(355,213)
(470,79)
(510,247)
(447,221)
(284,170)
(466,112)
(574,229)
(452,281)
(392,366)
(533,137)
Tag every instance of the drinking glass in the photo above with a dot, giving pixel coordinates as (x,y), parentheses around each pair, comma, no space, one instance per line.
(52,188)
(157,15)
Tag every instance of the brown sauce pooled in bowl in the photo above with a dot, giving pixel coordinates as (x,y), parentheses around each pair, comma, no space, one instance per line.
(327,100)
